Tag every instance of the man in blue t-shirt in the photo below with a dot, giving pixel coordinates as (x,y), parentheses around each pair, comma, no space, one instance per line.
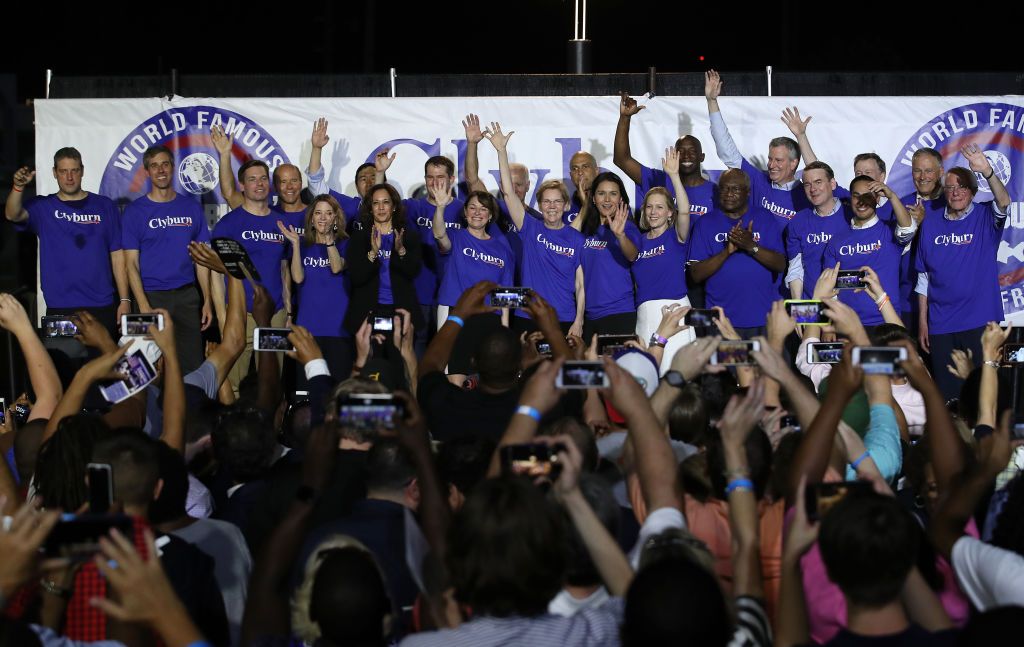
(927,201)
(699,189)
(255,226)
(778,190)
(156,231)
(956,261)
(810,230)
(80,259)
(583,169)
(737,250)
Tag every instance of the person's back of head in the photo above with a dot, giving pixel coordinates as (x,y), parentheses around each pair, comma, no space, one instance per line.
(581,569)
(171,504)
(688,417)
(343,599)
(507,549)
(62,460)
(582,436)
(675,601)
(389,469)
(244,442)
(462,462)
(134,460)
(716,389)
(868,543)
(497,358)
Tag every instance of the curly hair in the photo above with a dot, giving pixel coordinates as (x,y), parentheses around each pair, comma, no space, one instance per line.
(61,464)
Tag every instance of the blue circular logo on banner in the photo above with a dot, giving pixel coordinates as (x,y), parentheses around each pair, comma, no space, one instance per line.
(186,132)
(998,130)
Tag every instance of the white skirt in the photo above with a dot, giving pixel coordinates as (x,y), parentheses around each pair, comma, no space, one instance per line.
(648,318)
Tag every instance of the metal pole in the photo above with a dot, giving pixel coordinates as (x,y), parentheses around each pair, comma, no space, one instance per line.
(174,82)
(49,75)
(578,51)
(651,77)
(768,71)
(392,76)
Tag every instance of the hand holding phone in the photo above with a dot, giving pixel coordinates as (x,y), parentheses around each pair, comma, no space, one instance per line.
(509,297)
(272,340)
(807,312)
(879,360)
(582,374)
(735,353)
(137,325)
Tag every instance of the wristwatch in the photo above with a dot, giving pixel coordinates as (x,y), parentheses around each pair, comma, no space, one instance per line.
(674,379)
(754,250)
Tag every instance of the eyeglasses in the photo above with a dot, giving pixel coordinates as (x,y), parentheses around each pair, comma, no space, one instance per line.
(955,189)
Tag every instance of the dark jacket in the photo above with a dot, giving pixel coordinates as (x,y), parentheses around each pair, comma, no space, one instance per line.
(365,278)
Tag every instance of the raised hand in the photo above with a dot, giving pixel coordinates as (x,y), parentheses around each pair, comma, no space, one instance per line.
(306,348)
(400,242)
(382,161)
(725,328)
(976,157)
(472,301)
(221,141)
(92,333)
(846,321)
(541,311)
(12,314)
(203,255)
(164,338)
(671,161)
(288,232)
(741,415)
(617,221)
(472,126)
(825,287)
(881,188)
(992,340)
(913,366)
(102,368)
(873,282)
(375,238)
(916,210)
(691,359)
(362,340)
(540,391)
(319,138)
(498,139)
(672,316)
(712,85)
(779,324)
(791,117)
(628,105)
(262,306)
(439,191)
(22,177)
(19,544)
(963,363)
(771,361)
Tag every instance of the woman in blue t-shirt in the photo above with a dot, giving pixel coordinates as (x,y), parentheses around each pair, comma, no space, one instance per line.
(473,255)
(609,249)
(660,266)
(551,249)
(317,265)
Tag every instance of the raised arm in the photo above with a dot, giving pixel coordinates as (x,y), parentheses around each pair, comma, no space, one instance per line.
(903,217)
(539,395)
(617,224)
(581,303)
(98,369)
(622,157)
(798,126)
(41,371)
(437,224)
(992,341)
(876,292)
(470,303)
(671,165)
(471,124)
(725,147)
(233,340)
(499,140)
(173,433)
(298,273)
(980,164)
(13,209)
(228,189)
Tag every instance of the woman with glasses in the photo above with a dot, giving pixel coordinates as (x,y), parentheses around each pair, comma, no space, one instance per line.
(317,266)
(956,261)
(552,251)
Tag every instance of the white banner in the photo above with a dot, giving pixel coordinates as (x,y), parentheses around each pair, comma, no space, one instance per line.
(113,134)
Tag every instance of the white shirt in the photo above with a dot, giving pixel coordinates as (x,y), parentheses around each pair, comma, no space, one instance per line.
(991,577)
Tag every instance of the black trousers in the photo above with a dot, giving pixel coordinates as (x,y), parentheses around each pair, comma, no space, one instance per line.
(942,352)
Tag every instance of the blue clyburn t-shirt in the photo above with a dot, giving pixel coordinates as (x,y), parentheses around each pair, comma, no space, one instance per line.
(296,219)
(963,279)
(76,238)
(263,242)
(322,295)
(471,260)
(161,232)
(782,203)
(742,286)
(701,197)
(660,269)
(808,234)
(550,259)
(877,247)
(387,245)
(608,284)
(908,265)
(350,207)
(420,213)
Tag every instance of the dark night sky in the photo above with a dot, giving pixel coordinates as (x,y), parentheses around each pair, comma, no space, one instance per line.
(467,37)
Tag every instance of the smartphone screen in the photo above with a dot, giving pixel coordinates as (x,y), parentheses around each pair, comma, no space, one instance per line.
(138,372)
(370,411)
(59,326)
(850,280)
(807,312)
(272,339)
(735,353)
(543,348)
(879,360)
(511,297)
(1013,353)
(138,324)
(610,344)
(700,318)
(101,488)
(824,352)
(582,375)
(3,411)
(534,460)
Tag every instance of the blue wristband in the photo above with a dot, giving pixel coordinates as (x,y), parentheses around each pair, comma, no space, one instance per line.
(739,484)
(527,410)
(457,320)
(855,464)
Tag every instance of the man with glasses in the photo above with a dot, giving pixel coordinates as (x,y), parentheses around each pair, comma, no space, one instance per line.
(956,259)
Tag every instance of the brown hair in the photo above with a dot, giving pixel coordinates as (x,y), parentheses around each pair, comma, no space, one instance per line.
(309,235)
